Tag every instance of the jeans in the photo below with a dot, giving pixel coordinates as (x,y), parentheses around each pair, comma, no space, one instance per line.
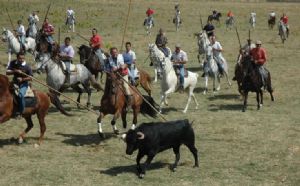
(50,39)
(68,66)
(263,74)
(165,51)
(131,73)
(98,53)
(23,88)
(220,64)
(181,75)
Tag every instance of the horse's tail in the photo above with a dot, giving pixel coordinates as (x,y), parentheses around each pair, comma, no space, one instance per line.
(148,105)
(94,83)
(56,102)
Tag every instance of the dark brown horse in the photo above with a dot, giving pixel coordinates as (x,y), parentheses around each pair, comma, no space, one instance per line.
(8,107)
(90,60)
(271,22)
(252,82)
(114,102)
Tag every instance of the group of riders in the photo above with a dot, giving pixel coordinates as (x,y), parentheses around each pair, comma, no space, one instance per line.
(125,63)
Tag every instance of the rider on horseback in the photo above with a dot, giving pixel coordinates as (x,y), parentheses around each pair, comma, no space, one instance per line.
(16,68)
(70,17)
(96,44)
(179,58)
(48,31)
(116,64)
(66,55)
(272,15)
(33,19)
(217,49)
(259,57)
(20,32)
(149,14)
(161,42)
(177,12)
(130,59)
(285,20)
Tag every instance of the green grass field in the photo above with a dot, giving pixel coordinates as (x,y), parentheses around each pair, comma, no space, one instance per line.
(235,148)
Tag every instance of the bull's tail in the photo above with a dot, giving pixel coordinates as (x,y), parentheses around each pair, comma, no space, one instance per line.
(56,102)
(147,107)
(94,83)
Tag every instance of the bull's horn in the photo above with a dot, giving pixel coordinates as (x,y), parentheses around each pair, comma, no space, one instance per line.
(140,135)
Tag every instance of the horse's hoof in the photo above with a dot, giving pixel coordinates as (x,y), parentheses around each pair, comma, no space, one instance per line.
(184,111)
(20,140)
(196,107)
(204,92)
(141,175)
(116,131)
(244,110)
(36,145)
(133,126)
(101,135)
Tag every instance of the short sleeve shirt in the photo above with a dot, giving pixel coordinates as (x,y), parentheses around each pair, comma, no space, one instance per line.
(181,56)
(21,30)
(217,46)
(115,62)
(96,39)
(23,67)
(67,50)
(129,57)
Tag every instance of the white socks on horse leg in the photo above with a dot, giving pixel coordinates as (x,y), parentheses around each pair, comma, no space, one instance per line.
(100,127)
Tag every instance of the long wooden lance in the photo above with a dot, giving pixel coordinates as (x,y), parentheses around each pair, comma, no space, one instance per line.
(46,14)
(238,36)
(12,25)
(82,37)
(201,22)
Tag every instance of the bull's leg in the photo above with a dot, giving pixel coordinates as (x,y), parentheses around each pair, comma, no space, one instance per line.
(194,151)
(245,101)
(177,157)
(138,159)
(29,127)
(100,132)
(147,163)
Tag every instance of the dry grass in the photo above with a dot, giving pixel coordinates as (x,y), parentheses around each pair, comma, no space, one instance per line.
(235,148)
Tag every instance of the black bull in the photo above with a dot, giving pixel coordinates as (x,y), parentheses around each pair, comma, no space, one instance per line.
(152,138)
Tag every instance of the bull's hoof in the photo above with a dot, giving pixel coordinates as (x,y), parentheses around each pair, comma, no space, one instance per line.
(101,135)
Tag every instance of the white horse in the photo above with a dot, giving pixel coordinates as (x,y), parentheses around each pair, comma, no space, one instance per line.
(158,66)
(169,82)
(70,22)
(282,31)
(211,70)
(229,23)
(56,76)
(203,43)
(14,45)
(252,19)
(148,24)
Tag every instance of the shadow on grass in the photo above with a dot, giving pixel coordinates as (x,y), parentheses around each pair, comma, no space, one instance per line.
(224,96)
(232,107)
(194,69)
(89,139)
(114,171)
(199,90)
(5,142)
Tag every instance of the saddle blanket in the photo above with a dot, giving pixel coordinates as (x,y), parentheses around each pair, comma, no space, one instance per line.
(29,93)
(73,67)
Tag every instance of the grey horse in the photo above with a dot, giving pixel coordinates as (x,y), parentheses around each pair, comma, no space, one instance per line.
(56,76)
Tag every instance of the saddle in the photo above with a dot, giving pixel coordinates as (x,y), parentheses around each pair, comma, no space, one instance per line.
(30,98)
(73,67)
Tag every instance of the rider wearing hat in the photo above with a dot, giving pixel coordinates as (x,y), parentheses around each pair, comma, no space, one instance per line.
(259,57)
(161,42)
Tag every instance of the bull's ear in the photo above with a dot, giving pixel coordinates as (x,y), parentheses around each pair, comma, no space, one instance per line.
(123,136)
(140,135)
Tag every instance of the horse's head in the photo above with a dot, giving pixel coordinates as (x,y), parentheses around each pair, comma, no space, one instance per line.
(203,41)
(84,53)
(4,35)
(41,60)
(246,64)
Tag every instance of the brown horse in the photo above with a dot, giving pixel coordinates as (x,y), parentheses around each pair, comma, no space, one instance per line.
(114,102)
(90,60)
(252,82)
(8,107)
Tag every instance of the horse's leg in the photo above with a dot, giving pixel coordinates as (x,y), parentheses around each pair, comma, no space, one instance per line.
(136,111)
(29,127)
(99,120)
(113,122)
(227,78)
(205,84)
(123,115)
(80,91)
(189,100)
(41,116)
(9,56)
(269,86)
(261,98)
(162,99)
(145,84)
(219,83)
(245,101)
(89,92)
(214,83)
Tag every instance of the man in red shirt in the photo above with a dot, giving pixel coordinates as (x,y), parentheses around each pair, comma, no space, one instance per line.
(48,31)
(149,14)
(96,44)
(259,57)
(285,21)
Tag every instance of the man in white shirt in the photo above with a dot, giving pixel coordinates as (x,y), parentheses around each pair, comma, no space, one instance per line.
(217,52)
(116,64)
(130,59)
(66,55)
(20,32)
(179,58)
